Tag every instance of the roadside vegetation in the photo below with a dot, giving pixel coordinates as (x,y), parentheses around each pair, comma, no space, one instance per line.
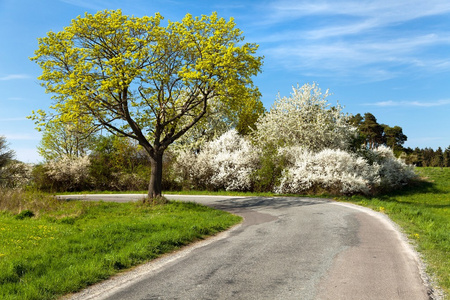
(50,248)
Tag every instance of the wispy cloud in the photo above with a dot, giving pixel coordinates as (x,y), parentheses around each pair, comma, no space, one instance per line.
(14,76)
(410,103)
(352,39)
(381,12)
(93,4)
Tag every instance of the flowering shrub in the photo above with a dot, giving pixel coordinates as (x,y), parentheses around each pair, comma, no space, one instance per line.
(393,171)
(305,119)
(224,163)
(335,171)
(231,162)
(68,173)
(15,174)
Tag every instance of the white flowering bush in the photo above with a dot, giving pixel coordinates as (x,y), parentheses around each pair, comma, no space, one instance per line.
(341,172)
(331,170)
(231,162)
(68,173)
(224,163)
(305,119)
(393,172)
(15,174)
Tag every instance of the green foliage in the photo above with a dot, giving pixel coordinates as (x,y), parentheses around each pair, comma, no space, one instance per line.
(373,135)
(75,244)
(427,157)
(60,139)
(268,174)
(24,214)
(118,164)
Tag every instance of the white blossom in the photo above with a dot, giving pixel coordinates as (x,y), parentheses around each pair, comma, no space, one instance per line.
(224,163)
(70,171)
(305,119)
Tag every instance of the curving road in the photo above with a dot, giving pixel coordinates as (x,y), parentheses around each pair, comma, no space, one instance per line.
(286,248)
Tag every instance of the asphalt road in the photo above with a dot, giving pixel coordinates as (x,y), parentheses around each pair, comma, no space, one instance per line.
(286,248)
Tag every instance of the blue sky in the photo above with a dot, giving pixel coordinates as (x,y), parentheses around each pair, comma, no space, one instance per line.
(390,58)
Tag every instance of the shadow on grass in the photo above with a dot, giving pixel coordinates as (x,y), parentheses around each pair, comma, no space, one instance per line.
(418,187)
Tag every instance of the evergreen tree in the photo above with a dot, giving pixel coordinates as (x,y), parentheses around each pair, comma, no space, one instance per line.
(447,157)
(371,131)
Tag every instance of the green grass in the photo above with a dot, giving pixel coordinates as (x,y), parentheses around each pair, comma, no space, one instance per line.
(69,245)
(423,211)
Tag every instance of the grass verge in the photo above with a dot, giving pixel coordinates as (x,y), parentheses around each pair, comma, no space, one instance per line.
(50,248)
(423,211)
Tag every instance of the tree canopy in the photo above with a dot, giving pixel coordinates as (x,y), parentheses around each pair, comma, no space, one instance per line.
(374,134)
(145,81)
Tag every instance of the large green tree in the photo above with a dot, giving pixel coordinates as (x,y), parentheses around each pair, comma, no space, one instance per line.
(145,81)
(372,132)
(394,137)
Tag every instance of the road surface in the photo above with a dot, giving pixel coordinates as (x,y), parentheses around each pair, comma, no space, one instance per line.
(286,248)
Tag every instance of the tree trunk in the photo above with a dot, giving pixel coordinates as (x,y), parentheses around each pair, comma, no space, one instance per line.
(155,185)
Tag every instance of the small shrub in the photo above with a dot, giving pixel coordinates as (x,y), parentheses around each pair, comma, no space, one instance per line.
(24,214)
(267,174)
(69,173)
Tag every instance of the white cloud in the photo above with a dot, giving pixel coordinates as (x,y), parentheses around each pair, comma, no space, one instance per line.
(371,41)
(381,12)
(410,103)
(94,5)
(14,76)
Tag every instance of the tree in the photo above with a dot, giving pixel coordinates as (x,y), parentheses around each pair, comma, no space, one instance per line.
(371,131)
(6,155)
(438,159)
(216,122)
(60,140)
(144,81)
(394,137)
(305,119)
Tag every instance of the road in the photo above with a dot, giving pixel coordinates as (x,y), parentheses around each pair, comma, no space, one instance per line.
(286,248)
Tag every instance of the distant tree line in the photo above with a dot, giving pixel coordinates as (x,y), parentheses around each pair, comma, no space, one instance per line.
(427,157)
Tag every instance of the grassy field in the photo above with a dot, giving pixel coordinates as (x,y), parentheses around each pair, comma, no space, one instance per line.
(423,211)
(53,248)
